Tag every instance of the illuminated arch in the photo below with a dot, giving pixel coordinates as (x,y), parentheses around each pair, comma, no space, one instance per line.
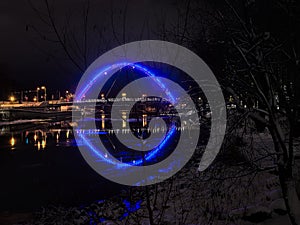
(104,71)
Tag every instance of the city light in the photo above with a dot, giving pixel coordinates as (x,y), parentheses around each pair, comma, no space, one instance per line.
(36,99)
(144,120)
(103,121)
(43,144)
(44,88)
(12,141)
(12,98)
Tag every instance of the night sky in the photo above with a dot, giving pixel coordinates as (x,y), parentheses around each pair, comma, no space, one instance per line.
(31,57)
(27,60)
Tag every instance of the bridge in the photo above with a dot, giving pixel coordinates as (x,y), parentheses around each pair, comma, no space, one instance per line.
(35,110)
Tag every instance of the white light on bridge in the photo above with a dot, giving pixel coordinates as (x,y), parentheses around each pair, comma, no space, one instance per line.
(124,118)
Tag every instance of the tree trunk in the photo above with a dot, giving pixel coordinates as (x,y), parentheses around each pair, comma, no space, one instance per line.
(290,196)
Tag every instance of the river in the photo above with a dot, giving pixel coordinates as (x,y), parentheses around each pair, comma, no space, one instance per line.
(40,165)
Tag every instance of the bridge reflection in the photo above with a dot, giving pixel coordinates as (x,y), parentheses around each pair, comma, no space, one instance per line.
(41,133)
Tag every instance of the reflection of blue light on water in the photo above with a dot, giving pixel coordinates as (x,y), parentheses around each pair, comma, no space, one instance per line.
(149,156)
(104,156)
(94,149)
(91,132)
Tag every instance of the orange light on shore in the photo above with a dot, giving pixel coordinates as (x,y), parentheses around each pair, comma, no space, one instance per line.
(43,144)
(144,120)
(12,141)
(12,98)
(103,121)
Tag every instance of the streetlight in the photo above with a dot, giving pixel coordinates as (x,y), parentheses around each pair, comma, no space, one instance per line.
(12,98)
(67,95)
(44,88)
(37,94)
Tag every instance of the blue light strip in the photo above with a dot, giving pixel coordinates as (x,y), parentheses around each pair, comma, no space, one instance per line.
(104,71)
(156,79)
(153,153)
(121,65)
(94,149)
(98,74)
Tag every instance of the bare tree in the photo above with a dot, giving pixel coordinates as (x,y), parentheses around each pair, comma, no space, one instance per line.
(261,69)
(265,68)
